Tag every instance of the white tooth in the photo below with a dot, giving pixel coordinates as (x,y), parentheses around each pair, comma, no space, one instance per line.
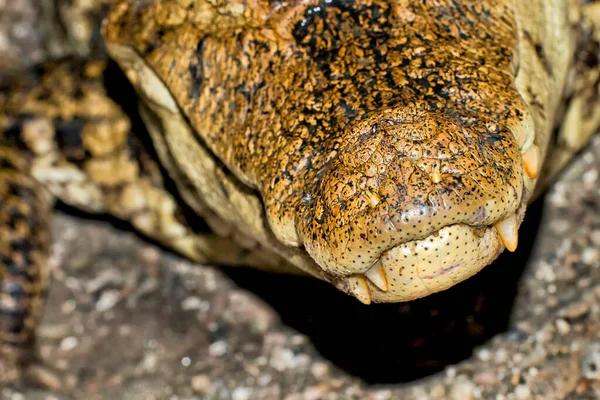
(376,274)
(507,230)
(531,161)
(358,287)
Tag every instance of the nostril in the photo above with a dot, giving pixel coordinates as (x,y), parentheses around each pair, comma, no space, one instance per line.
(404,180)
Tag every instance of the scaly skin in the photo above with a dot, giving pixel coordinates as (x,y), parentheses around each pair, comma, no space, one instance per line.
(384,138)
(24,247)
(388,147)
(62,137)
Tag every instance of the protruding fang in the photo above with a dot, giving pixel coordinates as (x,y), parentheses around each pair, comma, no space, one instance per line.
(531,161)
(358,287)
(376,274)
(507,230)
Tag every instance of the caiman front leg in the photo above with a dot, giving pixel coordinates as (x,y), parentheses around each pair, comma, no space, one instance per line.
(64,135)
(89,158)
(24,248)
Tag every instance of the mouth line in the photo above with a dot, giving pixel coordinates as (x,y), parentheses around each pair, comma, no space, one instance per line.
(415,257)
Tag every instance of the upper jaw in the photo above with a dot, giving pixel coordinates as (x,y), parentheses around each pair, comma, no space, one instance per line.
(393,186)
(375,241)
(418,268)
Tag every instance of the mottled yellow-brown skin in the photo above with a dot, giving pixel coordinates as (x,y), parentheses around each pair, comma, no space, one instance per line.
(373,144)
(370,132)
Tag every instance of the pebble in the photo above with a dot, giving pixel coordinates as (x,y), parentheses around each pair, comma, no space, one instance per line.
(438,391)
(515,379)
(590,255)
(315,392)
(270,393)
(201,384)
(241,393)
(107,300)
(484,355)
(149,362)
(591,362)
(595,237)
(383,394)
(54,331)
(45,377)
(191,303)
(462,391)
(518,358)
(563,327)
(319,370)
(486,378)
(282,359)
(522,392)
(68,306)
(577,310)
(69,343)
(218,348)
(501,356)
(109,276)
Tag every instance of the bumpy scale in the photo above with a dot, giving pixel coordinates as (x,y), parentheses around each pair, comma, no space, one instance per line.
(388,147)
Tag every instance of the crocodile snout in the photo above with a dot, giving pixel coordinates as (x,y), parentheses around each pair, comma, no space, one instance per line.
(411,199)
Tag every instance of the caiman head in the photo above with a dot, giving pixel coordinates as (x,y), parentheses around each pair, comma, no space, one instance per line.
(385,139)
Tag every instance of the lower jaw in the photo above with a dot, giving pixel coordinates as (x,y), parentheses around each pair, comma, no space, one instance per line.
(419,268)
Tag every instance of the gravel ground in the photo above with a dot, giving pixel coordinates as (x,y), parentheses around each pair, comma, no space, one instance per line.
(126,319)
(21,43)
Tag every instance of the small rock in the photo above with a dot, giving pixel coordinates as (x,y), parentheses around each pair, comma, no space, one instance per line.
(315,392)
(438,392)
(69,343)
(109,276)
(201,384)
(68,306)
(319,370)
(218,348)
(522,392)
(282,359)
(149,362)
(451,372)
(383,394)
(45,377)
(577,310)
(501,356)
(515,379)
(590,255)
(241,393)
(107,300)
(191,303)
(54,331)
(462,391)
(71,381)
(270,393)
(595,237)
(563,327)
(590,365)
(484,355)
(518,358)
(486,378)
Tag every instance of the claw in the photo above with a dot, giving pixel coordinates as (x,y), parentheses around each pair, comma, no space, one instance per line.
(507,230)
(531,161)
(376,274)
(358,287)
